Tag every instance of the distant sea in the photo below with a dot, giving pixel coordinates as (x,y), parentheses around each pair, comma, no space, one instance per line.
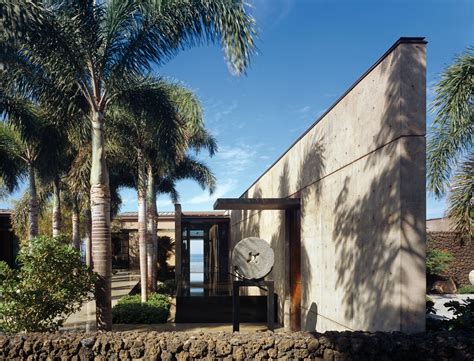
(197,263)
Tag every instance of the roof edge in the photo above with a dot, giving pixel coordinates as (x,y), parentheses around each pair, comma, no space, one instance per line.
(401,40)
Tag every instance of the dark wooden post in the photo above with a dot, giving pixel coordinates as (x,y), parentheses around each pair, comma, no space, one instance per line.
(236,302)
(270,305)
(177,242)
(235,306)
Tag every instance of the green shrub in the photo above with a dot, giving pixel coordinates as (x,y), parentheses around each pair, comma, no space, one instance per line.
(438,261)
(463,314)
(430,309)
(50,284)
(167,287)
(463,318)
(129,309)
(466,289)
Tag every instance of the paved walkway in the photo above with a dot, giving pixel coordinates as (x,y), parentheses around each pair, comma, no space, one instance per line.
(439,301)
(122,283)
(193,327)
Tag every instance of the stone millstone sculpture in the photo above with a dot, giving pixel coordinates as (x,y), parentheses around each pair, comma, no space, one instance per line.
(253,258)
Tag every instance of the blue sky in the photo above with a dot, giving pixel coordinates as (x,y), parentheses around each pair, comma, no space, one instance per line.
(311,51)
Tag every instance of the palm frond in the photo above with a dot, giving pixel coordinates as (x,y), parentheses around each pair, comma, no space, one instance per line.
(191,168)
(461,198)
(159,29)
(12,168)
(167,186)
(452,132)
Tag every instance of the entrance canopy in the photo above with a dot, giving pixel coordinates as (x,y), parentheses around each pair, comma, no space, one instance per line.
(256,203)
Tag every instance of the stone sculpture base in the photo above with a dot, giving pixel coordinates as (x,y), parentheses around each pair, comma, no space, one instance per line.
(236,301)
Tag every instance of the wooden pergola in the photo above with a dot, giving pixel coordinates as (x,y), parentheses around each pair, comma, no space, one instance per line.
(256,203)
(291,206)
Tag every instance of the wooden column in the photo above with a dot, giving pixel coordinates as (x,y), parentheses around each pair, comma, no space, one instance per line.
(178,242)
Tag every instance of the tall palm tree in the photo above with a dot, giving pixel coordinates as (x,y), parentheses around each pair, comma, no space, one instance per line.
(97,46)
(163,159)
(161,126)
(29,141)
(450,143)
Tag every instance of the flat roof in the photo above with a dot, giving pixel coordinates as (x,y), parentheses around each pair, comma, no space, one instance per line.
(171,215)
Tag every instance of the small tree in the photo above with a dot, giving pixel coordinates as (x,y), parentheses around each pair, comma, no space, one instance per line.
(438,261)
(165,250)
(50,285)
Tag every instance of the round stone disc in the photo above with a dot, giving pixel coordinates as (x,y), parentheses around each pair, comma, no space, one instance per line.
(253,258)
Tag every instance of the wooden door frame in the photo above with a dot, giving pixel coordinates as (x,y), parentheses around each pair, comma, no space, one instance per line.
(293,237)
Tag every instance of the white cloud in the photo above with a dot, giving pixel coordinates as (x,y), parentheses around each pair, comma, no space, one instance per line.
(305,109)
(237,158)
(221,190)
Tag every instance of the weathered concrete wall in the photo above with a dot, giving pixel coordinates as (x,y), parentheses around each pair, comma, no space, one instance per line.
(360,174)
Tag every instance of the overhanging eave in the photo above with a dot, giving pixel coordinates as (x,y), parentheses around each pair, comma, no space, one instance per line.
(256,203)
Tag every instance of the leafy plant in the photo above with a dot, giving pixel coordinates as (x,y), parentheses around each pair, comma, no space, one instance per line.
(466,289)
(463,318)
(50,284)
(167,287)
(130,309)
(463,314)
(438,261)
(430,309)
(164,251)
(450,141)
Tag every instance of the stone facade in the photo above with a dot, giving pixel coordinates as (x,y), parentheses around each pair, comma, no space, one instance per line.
(462,251)
(330,346)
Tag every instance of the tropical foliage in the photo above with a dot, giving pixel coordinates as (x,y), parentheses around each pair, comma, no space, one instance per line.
(463,316)
(450,144)
(83,69)
(130,309)
(438,261)
(50,284)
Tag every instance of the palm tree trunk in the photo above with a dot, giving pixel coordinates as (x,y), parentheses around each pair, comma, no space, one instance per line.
(76,235)
(88,233)
(151,228)
(100,211)
(142,236)
(33,204)
(56,207)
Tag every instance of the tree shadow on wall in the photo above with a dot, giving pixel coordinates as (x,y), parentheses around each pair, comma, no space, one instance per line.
(370,225)
(311,172)
(310,169)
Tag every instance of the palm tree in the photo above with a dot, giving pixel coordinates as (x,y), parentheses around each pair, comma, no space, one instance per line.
(97,46)
(164,122)
(451,139)
(164,157)
(28,143)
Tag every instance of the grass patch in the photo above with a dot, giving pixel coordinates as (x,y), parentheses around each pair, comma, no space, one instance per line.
(466,289)
(129,309)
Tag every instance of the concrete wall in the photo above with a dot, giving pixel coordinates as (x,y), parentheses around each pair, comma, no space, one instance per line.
(360,174)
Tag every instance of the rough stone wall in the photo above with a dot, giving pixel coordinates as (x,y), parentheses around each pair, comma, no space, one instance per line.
(266,345)
(360,175)
(462,251)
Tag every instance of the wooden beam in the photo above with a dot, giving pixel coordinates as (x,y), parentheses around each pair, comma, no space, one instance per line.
(256,203)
